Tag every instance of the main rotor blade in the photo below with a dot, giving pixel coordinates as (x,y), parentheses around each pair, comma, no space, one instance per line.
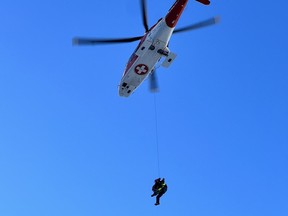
(144,15)
(198,25)
(98,41)
(153,82)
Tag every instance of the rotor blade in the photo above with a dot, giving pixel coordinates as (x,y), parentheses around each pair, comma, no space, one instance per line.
(153,82)
(144,15)
(97,41)
(198,25)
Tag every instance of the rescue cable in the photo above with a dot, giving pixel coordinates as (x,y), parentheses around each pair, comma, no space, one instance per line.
(156,133)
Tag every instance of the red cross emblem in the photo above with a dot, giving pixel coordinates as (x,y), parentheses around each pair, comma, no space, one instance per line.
(141,69)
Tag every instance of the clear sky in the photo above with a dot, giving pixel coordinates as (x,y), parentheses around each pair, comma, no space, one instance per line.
(69,145)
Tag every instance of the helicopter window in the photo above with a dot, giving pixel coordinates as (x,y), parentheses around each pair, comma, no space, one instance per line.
(124,84)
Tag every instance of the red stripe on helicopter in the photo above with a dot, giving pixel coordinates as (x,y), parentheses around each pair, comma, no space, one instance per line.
(175,12)
(134,57)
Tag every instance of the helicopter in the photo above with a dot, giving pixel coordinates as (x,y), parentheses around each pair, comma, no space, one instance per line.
(153,46)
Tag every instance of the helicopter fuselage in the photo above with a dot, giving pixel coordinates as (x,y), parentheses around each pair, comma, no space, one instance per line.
(152,47)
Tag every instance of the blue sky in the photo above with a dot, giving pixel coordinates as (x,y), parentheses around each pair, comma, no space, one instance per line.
(69,145)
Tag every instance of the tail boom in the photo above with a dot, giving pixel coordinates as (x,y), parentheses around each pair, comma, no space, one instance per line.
(175,12)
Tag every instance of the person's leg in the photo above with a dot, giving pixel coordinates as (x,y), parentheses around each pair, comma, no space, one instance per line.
(158,198)
(155,193)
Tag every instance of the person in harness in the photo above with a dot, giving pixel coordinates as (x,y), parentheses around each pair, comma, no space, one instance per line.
(159,188)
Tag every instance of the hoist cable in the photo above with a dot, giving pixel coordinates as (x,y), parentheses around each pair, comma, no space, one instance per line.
(156,132)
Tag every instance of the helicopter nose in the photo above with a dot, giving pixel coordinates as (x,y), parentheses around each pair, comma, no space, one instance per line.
(175,12)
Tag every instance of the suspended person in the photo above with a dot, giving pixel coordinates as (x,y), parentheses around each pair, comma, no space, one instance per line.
(159,188)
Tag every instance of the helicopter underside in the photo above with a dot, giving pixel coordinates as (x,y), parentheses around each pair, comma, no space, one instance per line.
(142,68)
(147,55)
(138,72)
